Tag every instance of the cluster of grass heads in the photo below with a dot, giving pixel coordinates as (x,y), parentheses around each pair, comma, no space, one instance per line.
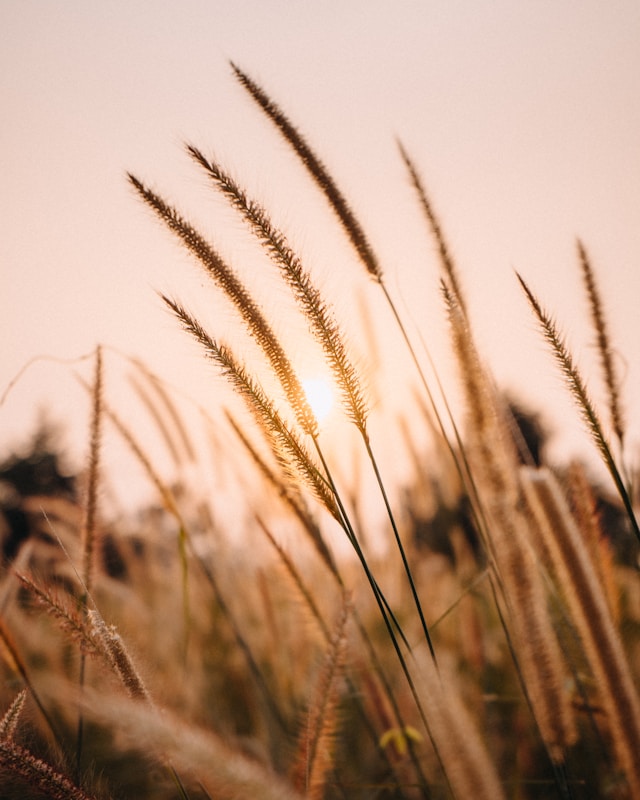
(163,660)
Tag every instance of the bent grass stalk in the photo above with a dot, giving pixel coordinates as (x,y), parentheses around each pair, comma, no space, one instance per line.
(605,350)
(89,526)
(581,397)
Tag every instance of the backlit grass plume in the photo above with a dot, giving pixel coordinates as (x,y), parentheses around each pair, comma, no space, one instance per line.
(578,390)
(243,301)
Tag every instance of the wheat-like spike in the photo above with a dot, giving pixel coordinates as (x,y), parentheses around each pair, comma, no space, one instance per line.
(212,759)
(168,499)
(586,599)
(315,748)
(317,170)
(605,351)
(286,445)
(9,722)
(251,315)
(539,654)
(160,389)
(489,443)
(323,324)
(60,609)
(446,259)
(296,578)
(579,392)
(116,652)
(89,525)
(164,491)
(166,495)
(161,425)
(38,774)
(291,497)
(569,370)
(468,767)
(585,512)
(11,655)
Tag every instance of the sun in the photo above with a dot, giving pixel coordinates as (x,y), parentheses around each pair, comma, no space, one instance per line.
(319,396)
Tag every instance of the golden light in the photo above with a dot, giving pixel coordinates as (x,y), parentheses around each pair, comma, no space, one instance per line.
(319,396)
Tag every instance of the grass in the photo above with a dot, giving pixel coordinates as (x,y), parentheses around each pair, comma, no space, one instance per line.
(157,657)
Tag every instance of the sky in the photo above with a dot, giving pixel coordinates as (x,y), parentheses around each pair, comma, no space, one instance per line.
(523,118)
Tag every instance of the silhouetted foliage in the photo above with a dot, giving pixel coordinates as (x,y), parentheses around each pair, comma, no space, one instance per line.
(37,470)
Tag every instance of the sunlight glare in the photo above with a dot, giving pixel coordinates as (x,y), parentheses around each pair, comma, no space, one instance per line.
(319,396)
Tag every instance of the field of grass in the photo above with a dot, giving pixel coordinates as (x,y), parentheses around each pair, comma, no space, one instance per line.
(485,643)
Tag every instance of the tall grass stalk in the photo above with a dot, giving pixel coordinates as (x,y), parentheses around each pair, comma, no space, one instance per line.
(605,349)
(491,454)
(315,758)
(578,390)
(90,526)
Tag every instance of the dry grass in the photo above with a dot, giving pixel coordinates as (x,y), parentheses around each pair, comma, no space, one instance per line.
(485,643)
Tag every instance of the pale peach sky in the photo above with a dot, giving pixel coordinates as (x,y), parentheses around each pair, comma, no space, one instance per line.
(524,118)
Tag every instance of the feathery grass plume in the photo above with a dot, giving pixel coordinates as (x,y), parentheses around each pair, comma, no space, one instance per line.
(155,414)
(65,614)
(116,651)
(164,492)
(9,653)
(292,498)
(218,763)
(581,397)
(468,768)
(308,599)
(318,171)
(605,351)
(156,384)
(37,774)
(170,505)
(9,722)
(583,506)
(323,324)
(285,443)
(243,643)
(446,259)
(539,655)
(294,574)
(493,461)
(586,600)
(249,311)
(315,756)
(89,525)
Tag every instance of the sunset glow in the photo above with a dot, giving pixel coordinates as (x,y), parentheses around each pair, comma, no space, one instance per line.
(320,397)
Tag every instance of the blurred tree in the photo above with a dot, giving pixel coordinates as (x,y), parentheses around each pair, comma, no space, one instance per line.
(37,470)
